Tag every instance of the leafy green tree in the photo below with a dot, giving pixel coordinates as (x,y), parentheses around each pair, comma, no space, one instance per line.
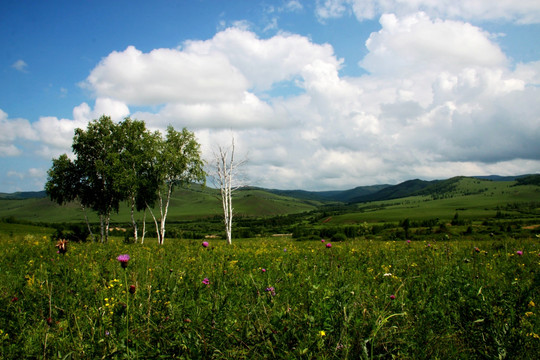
(178,163)
(97,158)
(406,225)
(137,176)
(125,162)
(64,185)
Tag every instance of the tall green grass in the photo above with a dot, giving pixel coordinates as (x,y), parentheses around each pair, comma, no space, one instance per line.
(271,298)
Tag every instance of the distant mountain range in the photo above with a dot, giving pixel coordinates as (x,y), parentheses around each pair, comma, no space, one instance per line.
(388,192)
(356,195)
(23,195)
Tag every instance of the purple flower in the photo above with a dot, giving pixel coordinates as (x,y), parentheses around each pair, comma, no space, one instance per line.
(263,270)
(408,241)
(206,281)
(205,244)
(519,252)
(271,290)
(124,259)
(328,245)
(322,240)
(392,297)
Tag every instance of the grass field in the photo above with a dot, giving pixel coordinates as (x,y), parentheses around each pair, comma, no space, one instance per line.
(270,298)
(467,289)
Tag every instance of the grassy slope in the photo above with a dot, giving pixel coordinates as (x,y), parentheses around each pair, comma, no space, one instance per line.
(471,198)
(186,204)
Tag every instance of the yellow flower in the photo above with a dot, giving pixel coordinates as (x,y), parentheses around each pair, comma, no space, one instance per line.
(531,303)
(322,333)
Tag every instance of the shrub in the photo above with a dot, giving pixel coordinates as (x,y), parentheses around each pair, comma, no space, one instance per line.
(339,237)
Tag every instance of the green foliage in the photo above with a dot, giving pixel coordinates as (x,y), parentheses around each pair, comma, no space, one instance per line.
(339,237)
(117,162)
(71,232)
(529,180)
(358,299)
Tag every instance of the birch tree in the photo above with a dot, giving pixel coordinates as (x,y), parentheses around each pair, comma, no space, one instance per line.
(116,162)
(178,163)
(226,175)
(97,159)
(138,177)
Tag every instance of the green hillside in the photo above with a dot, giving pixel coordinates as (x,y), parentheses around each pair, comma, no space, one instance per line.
(186,204)
(469,197)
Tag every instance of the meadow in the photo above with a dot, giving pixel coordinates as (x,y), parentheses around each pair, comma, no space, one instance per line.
(463,298)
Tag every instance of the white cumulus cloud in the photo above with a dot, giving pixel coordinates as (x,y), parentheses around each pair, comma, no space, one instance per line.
(440,99)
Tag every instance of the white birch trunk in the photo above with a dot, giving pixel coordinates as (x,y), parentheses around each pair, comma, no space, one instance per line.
(102,228)
(226,172)
(107,225)
(164,211)
(133,222)
(155,222)
(144,227)
(88,223)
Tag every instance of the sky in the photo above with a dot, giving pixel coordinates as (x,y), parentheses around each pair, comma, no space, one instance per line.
(317,94)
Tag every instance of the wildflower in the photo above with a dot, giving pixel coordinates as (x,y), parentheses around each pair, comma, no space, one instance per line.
(107,333)
(285,250)
(322,333)
(328,245)
(124,259)
(408,241)
(392,297)
(322,240)
(132,289)
(531,303)
(205,244)
(263,270)
(271,290)
(476,249)
(206,281)
(387,274)
(519,253)
(62,246)
(14,299)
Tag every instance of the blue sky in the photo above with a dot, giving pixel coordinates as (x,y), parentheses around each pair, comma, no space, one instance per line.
(318,94)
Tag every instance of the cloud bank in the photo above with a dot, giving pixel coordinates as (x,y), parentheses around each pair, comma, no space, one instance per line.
(439,98)
(522,12)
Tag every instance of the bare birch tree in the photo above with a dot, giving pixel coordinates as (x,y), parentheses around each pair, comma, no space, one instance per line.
(226,176)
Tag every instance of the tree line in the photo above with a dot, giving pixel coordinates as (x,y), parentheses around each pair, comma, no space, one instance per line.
(125,162)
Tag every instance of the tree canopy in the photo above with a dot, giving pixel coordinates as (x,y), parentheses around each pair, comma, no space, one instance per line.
(117,162)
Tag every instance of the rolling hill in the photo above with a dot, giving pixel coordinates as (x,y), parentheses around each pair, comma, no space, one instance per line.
(190,203)
(427,198)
